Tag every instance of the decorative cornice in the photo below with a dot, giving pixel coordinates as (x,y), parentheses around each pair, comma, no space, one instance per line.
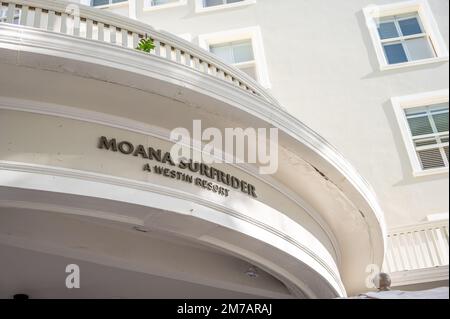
(164,135)
(171,193)
(156,67)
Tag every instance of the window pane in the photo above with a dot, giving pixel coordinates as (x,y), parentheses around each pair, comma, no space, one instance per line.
(117,1)
(157,2)
(211,3)
(100,2)
(420,125)
(431,158)
(153,3)
(410,26)
(426,142)
(387,30)
(395,53)
(243,52)
(224,52)
(440,118)
(419,49)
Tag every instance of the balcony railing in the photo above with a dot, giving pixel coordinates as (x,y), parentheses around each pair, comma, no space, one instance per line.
(94,24)
(416,247)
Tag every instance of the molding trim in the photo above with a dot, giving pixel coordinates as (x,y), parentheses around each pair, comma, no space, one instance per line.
(418,276)
(162,134)
(329,269)
(32,40)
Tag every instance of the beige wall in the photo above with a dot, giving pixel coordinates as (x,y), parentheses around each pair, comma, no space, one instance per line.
(323,69)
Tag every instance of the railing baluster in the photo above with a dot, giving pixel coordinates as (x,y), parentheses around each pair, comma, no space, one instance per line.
(205,67)
(51,21)
(444,230)
(393,254)
(444,244)
(63,23)
(196,63)
(124,38)
(178,55)
(168,49)
(112,34)
(76,25)
(89,29)
(412,240)
(37,17)
(187,59)
(157,47)
(405,251)
(435,242)
(24,16)
(10,13)
(135,40)
(399,251)
(100,31)
(429,249)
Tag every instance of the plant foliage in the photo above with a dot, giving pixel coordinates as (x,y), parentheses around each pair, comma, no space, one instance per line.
(146,45)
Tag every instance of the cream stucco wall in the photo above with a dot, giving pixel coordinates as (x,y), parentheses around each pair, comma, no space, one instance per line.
(323,68)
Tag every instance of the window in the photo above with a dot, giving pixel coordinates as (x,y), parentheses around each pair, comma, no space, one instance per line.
(238,53)
(161,4)
(404,39)
(211,5)
(241,48)
(405,34)
(4,17)
(96,3)
(429,130)
(424,123)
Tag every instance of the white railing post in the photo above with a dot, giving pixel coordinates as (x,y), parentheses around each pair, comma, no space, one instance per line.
(420,246)
(97,21)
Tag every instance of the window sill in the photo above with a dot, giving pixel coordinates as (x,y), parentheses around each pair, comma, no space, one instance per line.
(113,5)
(430,172)
(388,67)
(165,6)
(201,9)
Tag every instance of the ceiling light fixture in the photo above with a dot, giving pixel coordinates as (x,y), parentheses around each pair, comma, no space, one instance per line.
(252,272)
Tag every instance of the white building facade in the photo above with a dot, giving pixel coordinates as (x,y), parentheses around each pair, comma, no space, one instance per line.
(369,77)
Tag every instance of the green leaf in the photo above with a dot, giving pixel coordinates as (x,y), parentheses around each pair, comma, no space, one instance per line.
(145,45)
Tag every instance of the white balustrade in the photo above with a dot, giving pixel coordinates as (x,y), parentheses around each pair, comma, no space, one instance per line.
(420,246)
(95,24)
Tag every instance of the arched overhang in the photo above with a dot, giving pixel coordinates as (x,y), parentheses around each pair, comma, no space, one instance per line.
(315,205)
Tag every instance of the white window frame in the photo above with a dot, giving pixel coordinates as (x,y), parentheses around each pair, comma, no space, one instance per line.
(421,7)
(199,8)
(111,5)
(174,4)
(401,103)
(253,34)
